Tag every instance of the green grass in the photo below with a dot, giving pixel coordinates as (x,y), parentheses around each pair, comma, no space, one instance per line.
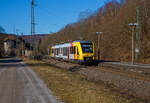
(74,88)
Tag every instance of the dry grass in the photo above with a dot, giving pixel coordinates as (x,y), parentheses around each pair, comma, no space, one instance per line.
(74,88)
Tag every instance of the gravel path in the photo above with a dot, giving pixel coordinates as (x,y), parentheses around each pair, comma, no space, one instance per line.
(19,84)
(136,87)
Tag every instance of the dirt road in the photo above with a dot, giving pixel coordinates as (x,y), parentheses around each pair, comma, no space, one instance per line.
(19,84)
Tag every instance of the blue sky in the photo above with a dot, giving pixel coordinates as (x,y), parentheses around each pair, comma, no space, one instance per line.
(50,15)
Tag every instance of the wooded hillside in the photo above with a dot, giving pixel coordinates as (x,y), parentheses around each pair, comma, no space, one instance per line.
(112,19)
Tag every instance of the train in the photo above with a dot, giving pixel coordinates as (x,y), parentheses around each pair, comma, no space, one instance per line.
(75,51)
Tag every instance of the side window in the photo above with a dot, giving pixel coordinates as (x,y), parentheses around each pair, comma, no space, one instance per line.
(56,51)
(74,48)
(77,51)
(71,50)
(59,50)
(66,51)
(63,51)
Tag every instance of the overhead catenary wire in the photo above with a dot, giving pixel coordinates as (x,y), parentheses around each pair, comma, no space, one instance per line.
(49,12)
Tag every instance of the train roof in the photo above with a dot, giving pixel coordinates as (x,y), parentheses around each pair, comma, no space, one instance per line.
(69,43)
(83,41)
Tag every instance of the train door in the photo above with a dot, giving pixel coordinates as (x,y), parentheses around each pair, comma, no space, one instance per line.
(76,53)
(68,49)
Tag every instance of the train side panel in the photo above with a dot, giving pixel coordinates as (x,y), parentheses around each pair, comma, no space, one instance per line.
(75,51)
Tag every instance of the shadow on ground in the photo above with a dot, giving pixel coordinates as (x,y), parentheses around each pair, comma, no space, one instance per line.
(10,60)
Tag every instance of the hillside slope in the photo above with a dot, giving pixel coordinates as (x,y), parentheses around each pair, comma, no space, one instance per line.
(113,20)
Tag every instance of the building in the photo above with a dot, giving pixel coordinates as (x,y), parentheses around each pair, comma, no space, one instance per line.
(9,47)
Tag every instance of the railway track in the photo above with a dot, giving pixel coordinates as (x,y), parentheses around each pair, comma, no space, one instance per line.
(143,69)
(137,68)
(127,78)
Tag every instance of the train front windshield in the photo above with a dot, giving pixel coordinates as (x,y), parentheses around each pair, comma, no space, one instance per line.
(87,47)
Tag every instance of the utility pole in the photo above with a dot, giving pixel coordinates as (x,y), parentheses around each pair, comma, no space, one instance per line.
(137,39)
(22,51)
(99,33)
(17,38)
(98,47)
(32,28)
(133,25)
(133,45)
(17,42)
(138,27)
